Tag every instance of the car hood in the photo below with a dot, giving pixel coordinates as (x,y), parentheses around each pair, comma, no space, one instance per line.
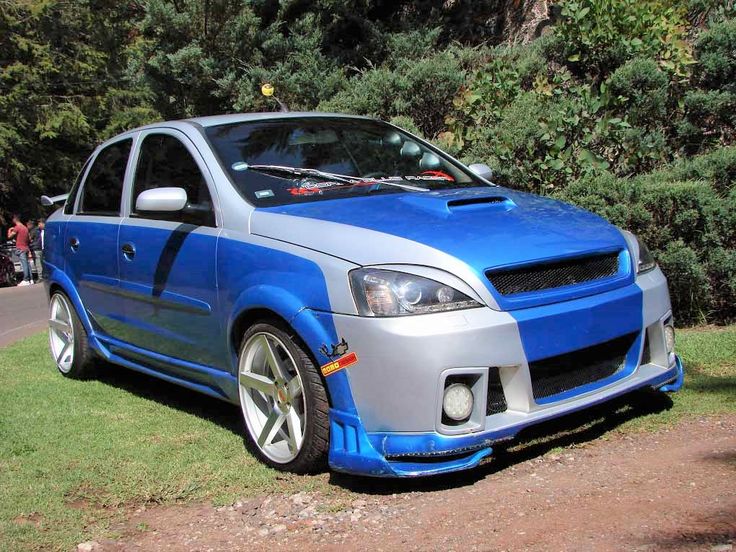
(480,228)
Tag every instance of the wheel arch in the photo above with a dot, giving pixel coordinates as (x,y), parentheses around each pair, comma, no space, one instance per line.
(250,316)
(313,328)
(58,281)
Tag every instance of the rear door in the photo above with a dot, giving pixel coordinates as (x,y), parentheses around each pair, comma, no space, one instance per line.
(167,260)
(90,237)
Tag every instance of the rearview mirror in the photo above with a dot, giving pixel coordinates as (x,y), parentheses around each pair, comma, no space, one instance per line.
(161,199)
(482,170)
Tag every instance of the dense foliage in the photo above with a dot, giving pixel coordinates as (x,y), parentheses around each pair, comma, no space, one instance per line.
(627,107)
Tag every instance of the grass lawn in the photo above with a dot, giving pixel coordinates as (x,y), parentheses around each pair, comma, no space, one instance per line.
(75,456)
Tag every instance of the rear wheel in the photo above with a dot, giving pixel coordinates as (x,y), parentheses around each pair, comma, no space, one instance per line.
(283,400)
(68,339)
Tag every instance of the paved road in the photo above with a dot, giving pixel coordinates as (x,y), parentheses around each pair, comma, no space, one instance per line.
(23,312)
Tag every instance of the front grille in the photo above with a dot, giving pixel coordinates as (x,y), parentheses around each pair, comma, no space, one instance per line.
(496,401)
(554,275)
(554,375)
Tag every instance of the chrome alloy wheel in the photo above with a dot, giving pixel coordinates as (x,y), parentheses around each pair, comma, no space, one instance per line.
(61,332)
(272,398)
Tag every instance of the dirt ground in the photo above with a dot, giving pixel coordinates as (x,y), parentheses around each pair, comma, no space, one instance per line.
(670,490)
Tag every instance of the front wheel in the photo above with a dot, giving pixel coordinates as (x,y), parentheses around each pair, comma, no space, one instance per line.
(284,403)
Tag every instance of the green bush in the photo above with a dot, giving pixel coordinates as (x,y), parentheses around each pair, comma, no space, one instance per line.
(421,89)
(642,90)
(690,289)
(716,53)
(718,168)
(709,119)
(596,36)
(690,226)
(710,110)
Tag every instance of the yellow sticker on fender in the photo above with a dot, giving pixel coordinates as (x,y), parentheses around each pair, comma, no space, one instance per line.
(339,364)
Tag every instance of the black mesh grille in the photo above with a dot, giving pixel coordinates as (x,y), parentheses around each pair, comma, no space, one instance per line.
(564,372)
(496,400)
(554,275)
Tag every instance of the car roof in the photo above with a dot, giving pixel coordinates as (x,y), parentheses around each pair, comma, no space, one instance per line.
(214,120)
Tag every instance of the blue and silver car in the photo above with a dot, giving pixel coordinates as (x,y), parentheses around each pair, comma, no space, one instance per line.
(366,299)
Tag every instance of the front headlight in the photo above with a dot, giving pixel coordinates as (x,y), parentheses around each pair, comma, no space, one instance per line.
(646,261)
(380,292)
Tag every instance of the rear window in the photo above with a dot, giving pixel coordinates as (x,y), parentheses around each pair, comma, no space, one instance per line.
(103,187)
(69,205)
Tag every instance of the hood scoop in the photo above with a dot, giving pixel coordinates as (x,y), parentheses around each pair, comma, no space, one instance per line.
(449,204)
(474,201)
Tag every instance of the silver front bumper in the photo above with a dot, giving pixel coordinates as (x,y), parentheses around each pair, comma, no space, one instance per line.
(398,382)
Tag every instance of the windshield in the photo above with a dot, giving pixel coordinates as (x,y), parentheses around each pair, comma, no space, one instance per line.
(338,157)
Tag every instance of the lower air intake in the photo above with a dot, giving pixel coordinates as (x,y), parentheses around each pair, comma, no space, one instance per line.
(558,374)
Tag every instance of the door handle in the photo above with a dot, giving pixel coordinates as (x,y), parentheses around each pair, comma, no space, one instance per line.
(128,251)
(74,244)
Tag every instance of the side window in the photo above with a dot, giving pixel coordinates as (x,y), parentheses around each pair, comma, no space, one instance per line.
(69,205)
(165,162)
(103,187)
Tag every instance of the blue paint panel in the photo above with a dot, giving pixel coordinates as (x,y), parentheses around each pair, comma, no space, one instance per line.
(533,228)
(256,277)
(552,330)
(168,292)
(93,261)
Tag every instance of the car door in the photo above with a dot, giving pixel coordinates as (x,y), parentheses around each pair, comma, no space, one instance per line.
(91,235)
(168,260)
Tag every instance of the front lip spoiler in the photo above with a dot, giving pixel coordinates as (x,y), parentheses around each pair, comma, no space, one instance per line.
(353,450)
(675,384)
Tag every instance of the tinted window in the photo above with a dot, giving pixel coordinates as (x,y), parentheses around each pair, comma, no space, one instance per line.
(372,155)
(103,187)
(69,205)
(165,162)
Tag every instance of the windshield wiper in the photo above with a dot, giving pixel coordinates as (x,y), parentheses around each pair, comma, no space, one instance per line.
(344,178)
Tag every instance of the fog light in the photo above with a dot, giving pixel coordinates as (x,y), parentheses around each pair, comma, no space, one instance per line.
(458,402)
(669,338)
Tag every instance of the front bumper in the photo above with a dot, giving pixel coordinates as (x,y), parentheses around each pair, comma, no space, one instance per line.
(397,384)
(381,454)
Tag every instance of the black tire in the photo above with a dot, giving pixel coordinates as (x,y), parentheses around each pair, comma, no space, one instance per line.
(312,455)
(82,364)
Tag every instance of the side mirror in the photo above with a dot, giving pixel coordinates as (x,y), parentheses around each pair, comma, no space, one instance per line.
(482,170)
(47,201)
(161,199)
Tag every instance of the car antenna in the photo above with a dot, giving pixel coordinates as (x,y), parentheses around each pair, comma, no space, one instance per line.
(267,90)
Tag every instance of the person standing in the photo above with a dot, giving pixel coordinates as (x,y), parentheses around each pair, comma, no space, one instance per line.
(36,237)
(22,248)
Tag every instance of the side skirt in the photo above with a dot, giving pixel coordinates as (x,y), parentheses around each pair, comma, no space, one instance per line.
(213,382)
